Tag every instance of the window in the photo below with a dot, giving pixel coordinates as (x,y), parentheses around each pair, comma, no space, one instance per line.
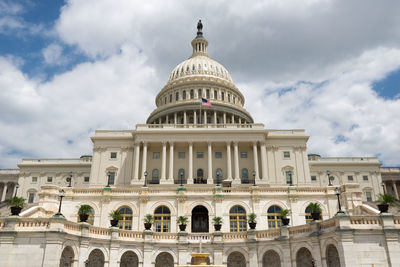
(170,98)
(274,217)
(229,98)
(245,176)
(191,94)
(165,100)
(308,215)
(243,155)
(162,219)
(222,96)
(49,179)
(156,155)
(215,94)
(177,96)
(237,219)
(368,196)
(31,197)
(154,177)
(126,222)
(289,177)
(218,155)
(34,179)
(365,177)
(86,179)
(350,178)
(181,155)
(286,154)
(113,155)
(184,95)
(234,100)
(208,93)
(199,93)
(90,220)
(200,155)
(111,176)
(313,178)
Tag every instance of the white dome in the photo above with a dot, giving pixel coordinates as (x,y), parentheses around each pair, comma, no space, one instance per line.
(200,65)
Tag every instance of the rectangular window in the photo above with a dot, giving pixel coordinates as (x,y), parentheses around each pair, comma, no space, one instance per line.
(113,155)
(229,98)
(234,100)
(215,94)
(49,179)
(365,177)
(191,94)
(208,93)
(184,95)
(199,93)
(200,155)
(286,154)
(368,196)
(218,155)
(170,98)
(156,155)
(222,96)
(181,155)
(31,197)
(34,179)
(350,178)
(86,179)
(313,178)
(111,177)
(165,100)
(243,155)
(177,96)
(289,177)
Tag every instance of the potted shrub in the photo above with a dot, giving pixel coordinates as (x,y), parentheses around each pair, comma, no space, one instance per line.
(252,221)
(385,200)
(217,223)
(16,204)
(315,210)
(115,217)
(284,213)
(148,221)
(84,212)
(182,221)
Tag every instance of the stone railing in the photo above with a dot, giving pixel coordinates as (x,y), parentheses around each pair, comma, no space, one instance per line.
(200,126)
(42,225)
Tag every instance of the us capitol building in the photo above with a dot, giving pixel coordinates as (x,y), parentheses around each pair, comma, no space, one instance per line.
(200,155)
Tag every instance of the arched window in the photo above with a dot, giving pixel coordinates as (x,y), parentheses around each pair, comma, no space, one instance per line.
(96,259)
(184,95)
(67,257)
(274,217)
(304,258)
(308,214)
(191,94)
(236,259)
(215,94)
(332,256)
(271,259)
(162,219)
(245,176)
(154,177)
(126,222)
(129,259)
(164,259)
(237,219)
(90,219)
(177,96)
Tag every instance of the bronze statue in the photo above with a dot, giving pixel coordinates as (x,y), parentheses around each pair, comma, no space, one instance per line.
(199,28)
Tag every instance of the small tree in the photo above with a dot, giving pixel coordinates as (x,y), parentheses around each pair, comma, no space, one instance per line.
(148,218)
(252,218)
(386,199)
(315,207)
(183,220)
(217,220)
(284,213)
(17,202)
(115,215)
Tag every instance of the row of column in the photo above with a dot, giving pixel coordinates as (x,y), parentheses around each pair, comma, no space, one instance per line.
(204,118)
(164,179)
(4,193)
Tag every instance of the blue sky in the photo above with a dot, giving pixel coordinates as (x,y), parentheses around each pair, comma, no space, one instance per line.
(70,67)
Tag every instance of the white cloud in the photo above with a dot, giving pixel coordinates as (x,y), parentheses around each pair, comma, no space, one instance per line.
(53,55)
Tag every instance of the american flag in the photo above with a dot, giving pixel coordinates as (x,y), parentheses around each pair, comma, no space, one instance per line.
(205,102)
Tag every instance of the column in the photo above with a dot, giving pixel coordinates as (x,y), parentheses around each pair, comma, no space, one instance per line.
(209,165)
(136,165)
(205,117)
(224,117)
(144,159)
(159,120)
(396,193)
(215,117)
(163,162)
(236,162)
(233,119)
(190,174)
(167,120)
(3,196)
(195,117)
(229,161)
(184,117)
(255,158)
(264,163)
(240,120)
(175,118)
(171,163)
(14,190)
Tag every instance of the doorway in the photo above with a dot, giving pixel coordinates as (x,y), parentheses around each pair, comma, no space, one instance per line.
(199,220)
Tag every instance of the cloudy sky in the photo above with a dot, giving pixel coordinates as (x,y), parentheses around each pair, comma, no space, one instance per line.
(70,67)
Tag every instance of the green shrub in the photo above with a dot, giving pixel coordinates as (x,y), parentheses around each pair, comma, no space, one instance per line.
(85,209)
(17,202)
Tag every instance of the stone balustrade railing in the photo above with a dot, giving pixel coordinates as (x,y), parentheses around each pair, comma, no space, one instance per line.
(17,224)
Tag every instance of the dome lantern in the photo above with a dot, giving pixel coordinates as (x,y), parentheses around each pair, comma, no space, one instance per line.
(199,43)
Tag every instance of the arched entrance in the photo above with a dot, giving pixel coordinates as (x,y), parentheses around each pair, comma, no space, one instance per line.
(271,259)
(164,259)
(304,258)
(236,259)
(67,257)
(96,259)
(332,256)
(199,219)
(129,259)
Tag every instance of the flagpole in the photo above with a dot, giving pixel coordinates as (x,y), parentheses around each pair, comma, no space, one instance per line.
(201,103)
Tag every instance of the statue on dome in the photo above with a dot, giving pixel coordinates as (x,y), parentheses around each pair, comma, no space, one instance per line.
(199,28)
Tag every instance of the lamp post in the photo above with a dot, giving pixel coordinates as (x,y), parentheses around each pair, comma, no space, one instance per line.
(254,178)
(329,177)
(61,194)
(69,179)
(16,189)
(145,176)
(108,179)
(218,175)
(337,192)
(181,178)
(383,187)
(290,178)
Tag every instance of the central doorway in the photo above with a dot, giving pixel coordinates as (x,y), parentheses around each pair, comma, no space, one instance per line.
(200,219)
